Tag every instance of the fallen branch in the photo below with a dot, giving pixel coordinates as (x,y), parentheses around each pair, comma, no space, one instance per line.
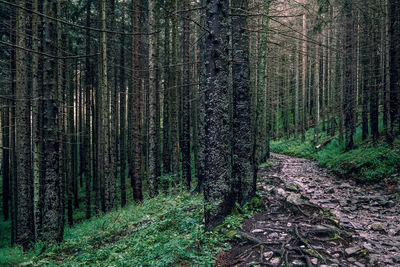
(325,142)
(330,139)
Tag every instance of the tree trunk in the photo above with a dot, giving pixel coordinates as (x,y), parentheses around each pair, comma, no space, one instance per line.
(174,99)
(243,163)
(394,32)
(349,73)
(218,183)
(122,114)
(153,156)
(186,88)
(304,71)
(134,108)
(297,89)
(201,171)
(25,230)
(166,156)
(70,141)
(88,84)
(260,153)
(316,93)
(53,199)
(386,95)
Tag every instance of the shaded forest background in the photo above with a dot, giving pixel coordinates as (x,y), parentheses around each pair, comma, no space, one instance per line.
(109,102)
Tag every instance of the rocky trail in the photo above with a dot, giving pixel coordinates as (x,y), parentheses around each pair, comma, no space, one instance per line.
(313,218)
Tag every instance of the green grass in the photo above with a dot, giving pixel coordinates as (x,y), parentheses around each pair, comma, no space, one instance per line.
(164,231)
(366,163)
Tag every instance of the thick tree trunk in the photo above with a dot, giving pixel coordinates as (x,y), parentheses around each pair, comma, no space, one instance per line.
(70,142)
(153,156)
(158,71)
(111,126)
(37,78)
(134,108)
(25,230)
(200,164)
(103,110)
(166,156)
(243,162)
(53,226)
(349,73)
(174,100)
(218,182)
(260,138)
(13,159)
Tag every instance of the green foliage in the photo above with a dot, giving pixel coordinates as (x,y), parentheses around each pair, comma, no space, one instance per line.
(164,231)
(366,163)
(265,164)
(12,256)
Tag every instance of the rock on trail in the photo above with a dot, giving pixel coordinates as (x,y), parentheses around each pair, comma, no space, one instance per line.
(313,218)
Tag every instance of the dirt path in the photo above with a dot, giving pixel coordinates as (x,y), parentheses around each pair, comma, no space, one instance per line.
(313,218)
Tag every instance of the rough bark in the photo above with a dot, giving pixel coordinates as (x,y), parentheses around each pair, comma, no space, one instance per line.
(166,156)
(52,193)
(70,142)
(186,88)
(134,108)
(316,94)
(153,156)
(122,115)
(200,164)
(394,69)
(88,84)
(260,138)
(25,230)
(297,90)
(374,101)
(218,181)
(174,100)
(303,79)
(349,73)
(243,165)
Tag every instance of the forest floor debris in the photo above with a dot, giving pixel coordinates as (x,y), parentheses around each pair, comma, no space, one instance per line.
(314,218)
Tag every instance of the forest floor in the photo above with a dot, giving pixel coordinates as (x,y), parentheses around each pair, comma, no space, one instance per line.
(314,218)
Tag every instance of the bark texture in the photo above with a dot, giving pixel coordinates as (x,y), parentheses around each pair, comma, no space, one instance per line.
(25,230)
(52,186)
(218,182)
(243,161)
